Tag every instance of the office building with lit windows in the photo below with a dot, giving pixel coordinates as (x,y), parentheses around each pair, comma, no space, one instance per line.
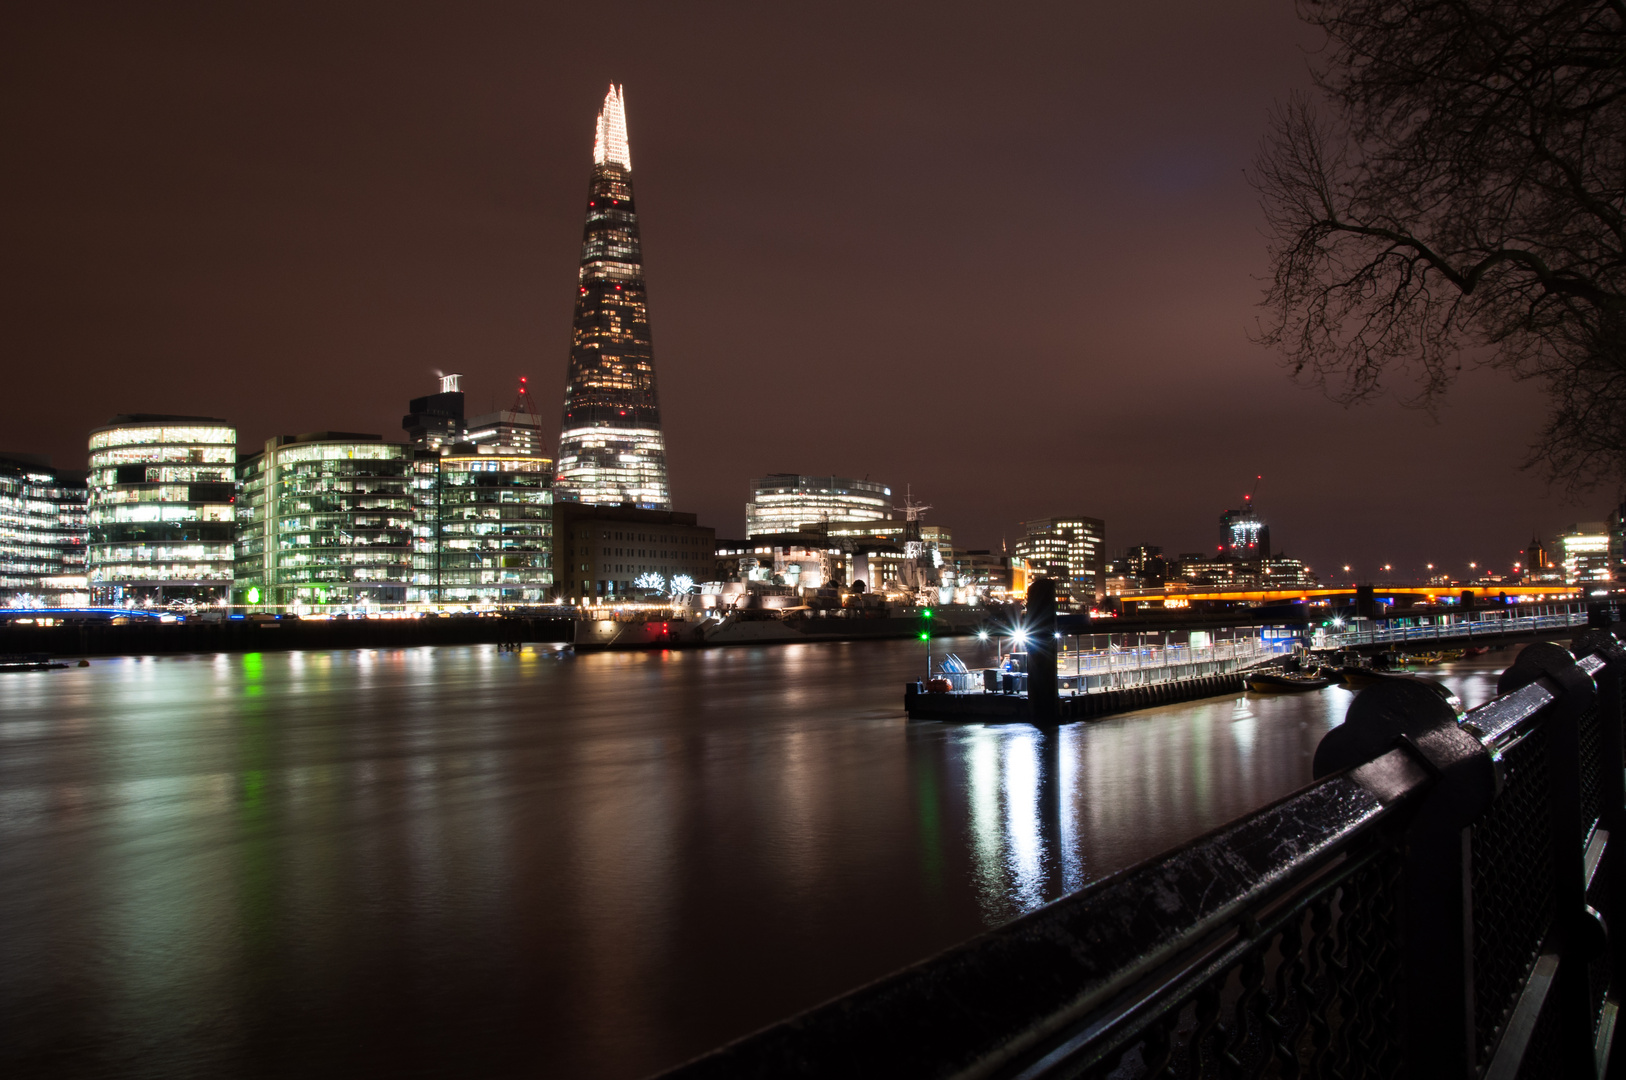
(1586,553)
(326,522)
(788,503)
(611,450)
(160,517)
(483,531)
(1069,550)
(42,533)
(508,431)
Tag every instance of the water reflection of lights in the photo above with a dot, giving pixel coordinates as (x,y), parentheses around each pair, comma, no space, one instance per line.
(1024,831)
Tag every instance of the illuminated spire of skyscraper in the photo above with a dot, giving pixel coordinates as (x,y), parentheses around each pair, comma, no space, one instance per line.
(610,446)
(610,141)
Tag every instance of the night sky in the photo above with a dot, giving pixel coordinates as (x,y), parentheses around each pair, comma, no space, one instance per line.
(1005,254)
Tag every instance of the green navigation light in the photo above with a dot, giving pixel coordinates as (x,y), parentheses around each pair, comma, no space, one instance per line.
(925,636)
(926,614)
(253,594)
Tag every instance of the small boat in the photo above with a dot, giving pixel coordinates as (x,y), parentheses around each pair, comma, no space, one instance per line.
(1277,682)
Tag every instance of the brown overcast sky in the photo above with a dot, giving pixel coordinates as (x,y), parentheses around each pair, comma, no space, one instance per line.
(1003,253)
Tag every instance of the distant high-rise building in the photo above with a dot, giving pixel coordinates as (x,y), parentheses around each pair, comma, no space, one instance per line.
(611,451)
(785,502)
(1586,553)
(1070,550)
(163,491)
(515,430)
(1146,562)
(1244,534)
(1617,543)
(42,533)
(436,420)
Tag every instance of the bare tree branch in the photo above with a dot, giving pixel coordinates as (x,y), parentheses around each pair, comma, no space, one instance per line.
(1461,190)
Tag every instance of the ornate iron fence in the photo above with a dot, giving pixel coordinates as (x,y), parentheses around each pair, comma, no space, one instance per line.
(1433,905)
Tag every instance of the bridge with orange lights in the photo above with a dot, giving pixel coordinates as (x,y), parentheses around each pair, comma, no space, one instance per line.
(1429,594)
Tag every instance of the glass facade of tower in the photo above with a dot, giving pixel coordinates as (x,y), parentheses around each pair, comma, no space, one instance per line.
(162,495)
(42,534)
(484,531)
(326,520)
(611,451)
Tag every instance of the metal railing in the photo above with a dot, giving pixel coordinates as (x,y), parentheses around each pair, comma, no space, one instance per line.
(1146,665)
(1152,657)
(1433,905)
(1454,630)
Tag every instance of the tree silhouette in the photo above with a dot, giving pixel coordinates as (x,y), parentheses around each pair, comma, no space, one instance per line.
(1462,195)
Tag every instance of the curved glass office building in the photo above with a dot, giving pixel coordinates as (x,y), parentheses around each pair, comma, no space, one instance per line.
(162,494)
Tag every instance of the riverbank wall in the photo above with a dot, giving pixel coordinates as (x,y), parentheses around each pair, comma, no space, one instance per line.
(242,635)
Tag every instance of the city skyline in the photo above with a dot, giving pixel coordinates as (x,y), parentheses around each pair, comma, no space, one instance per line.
(357,231)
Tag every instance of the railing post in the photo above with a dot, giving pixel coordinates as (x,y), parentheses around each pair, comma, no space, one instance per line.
(1438,885)
(1576,934)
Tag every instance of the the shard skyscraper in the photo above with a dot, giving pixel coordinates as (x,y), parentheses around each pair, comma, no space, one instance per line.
(611,450)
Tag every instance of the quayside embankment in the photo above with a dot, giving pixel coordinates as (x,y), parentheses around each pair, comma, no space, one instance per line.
(281,635)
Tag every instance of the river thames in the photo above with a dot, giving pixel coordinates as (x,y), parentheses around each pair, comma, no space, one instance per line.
(455,861)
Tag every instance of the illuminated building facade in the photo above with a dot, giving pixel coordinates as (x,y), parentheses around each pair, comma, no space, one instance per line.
(601,553)
(1070,550)
(162,500)
(1244,534)
(1586,553)
(43,523)
(326,520)
(787,503)
(483,531)
(508,432)
(611,451)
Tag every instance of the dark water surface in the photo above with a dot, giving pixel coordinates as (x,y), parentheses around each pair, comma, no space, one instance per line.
(453,861)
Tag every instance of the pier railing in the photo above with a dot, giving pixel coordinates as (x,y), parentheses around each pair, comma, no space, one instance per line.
(1435,904)
(1456,629)
(1145,665)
